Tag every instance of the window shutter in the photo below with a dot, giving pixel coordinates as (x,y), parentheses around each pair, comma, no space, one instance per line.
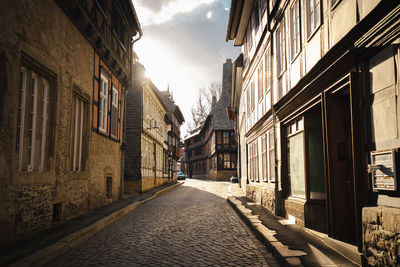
(109,108)
(96,84)
(119,111)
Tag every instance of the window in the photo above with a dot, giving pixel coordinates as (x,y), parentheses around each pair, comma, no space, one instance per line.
(252,97)
(109,187)
(255,158)
(294,29)
(225,137)
(104,82)
(250,161)
(255,18)
(79,138)
(264,158)
(267,87)
(227,161)
(253,161)
(271,158)
(260,82)
(34,116)
(114,112)
(281,48)
(118,25)
(295,154)
(220,161)
(248,102)
(313,16)
(249,38)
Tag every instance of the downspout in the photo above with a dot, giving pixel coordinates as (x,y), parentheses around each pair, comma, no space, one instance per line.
(275,163)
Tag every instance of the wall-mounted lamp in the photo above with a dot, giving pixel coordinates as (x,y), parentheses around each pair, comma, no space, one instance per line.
(151,126)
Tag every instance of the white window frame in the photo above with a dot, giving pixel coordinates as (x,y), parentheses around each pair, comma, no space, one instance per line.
(295,36)
(80,111)
(45,100)
(281,48)
(114,103)
(103,103)
(313,16)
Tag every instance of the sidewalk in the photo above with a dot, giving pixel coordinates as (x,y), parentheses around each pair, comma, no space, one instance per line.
(43,247)
(291,244)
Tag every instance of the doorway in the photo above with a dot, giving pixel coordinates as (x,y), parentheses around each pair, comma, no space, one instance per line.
(340,165)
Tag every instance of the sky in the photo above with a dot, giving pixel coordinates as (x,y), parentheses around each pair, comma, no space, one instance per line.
(183,46)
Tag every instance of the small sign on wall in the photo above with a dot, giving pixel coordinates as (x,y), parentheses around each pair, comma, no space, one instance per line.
(383,170)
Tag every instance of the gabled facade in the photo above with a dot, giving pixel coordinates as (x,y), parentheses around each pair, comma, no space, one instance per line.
(146,133)
(211,149)
(318,90)
(174,120)
(65,66)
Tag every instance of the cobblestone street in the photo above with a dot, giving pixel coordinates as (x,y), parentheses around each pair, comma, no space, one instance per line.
(190,226)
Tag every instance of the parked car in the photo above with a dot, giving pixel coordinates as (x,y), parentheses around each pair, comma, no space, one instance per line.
(234,179)
(181,176)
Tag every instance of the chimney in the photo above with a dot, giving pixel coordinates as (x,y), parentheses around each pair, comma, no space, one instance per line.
(227,79)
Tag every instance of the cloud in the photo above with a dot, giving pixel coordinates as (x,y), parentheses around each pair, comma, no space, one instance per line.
(187,51)
(157,12)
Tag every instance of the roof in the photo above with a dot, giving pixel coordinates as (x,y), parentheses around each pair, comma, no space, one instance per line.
(239,16)
(172,107)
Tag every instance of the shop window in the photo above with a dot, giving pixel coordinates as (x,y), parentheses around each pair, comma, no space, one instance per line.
(295,154)
(34,121)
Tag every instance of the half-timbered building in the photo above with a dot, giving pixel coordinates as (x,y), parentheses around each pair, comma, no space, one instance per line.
(319,83)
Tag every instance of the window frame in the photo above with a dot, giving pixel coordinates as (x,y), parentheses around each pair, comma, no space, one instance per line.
(103,116)
(312,29)
(281,52)
(260,82)
(78,98)
(114,104)
(295,36)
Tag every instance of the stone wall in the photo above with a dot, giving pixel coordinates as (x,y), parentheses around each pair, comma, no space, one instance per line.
(381,235)
(32,206)
(262,194)
(41,32)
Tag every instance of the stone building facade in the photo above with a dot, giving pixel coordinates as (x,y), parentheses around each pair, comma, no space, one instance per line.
(145,135)
(318,85)
(211,149)
(56,160)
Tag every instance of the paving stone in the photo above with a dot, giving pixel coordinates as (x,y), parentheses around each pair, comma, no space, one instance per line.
(190,226)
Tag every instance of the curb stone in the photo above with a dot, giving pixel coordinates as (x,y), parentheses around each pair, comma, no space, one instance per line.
(50,253)
(285,255)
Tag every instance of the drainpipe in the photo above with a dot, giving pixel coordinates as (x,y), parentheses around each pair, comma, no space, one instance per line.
(275,163)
